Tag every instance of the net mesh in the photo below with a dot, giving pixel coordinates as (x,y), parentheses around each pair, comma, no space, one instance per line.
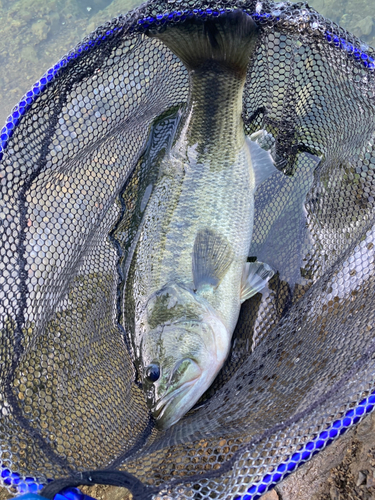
(77,154)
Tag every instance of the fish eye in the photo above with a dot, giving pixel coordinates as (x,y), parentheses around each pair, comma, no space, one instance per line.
(153,372)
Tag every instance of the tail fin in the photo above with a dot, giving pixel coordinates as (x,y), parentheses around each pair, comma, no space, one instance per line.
(228,40)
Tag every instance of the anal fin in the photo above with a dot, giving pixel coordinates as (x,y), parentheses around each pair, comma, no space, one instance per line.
(212,256)
(255,276)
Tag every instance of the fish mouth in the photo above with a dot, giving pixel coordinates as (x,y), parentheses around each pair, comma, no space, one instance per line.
(160,409)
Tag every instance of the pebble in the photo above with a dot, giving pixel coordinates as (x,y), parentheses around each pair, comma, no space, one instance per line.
(361,478)
(40,30)
(270,495)
(365,428)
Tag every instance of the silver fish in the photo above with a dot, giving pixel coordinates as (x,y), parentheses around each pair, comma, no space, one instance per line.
(187,272)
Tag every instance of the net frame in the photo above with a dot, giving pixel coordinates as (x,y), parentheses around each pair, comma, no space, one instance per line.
(305,21)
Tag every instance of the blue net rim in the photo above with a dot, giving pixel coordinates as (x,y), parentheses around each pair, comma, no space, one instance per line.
(254,492)
(351,417)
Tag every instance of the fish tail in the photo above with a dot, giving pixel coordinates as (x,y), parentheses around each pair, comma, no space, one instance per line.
(228,40)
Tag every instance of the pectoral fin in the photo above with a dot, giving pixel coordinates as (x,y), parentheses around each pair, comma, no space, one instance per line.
(254,277)
(262,162)
(212,256)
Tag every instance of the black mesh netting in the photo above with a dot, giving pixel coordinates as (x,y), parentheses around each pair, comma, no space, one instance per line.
(78,153)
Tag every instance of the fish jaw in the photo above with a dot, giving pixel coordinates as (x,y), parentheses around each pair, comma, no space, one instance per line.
(170,408)
(171,397)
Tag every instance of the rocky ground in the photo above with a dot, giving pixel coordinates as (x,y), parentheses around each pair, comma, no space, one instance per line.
(343,471)
(358,17)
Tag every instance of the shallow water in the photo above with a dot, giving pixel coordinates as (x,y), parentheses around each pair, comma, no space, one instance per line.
(35,34)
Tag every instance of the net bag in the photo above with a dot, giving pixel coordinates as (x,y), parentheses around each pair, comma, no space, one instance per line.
(77,154)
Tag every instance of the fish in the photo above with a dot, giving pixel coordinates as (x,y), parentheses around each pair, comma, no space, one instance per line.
(186,274)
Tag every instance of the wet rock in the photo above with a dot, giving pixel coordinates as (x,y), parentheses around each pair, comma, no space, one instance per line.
(40,30)
(54,21)
(29,54)
(332,9)
(25,15)
(364,27)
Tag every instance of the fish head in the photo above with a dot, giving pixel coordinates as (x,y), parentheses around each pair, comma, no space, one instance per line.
(180,360)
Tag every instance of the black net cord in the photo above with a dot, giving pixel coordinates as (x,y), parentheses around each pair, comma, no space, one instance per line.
(107,477)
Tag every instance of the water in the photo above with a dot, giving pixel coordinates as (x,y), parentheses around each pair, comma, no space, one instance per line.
(34,34)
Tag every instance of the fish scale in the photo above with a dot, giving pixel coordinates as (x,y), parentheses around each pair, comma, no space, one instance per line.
(219,200)
(188,272)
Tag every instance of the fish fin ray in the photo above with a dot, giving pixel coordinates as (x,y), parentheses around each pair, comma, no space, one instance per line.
(262,162)
(212,256)
(229,39)
(255,276)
